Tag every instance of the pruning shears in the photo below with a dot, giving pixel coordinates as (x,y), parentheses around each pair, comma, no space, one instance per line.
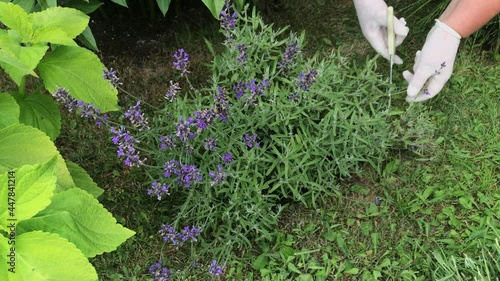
(390,39)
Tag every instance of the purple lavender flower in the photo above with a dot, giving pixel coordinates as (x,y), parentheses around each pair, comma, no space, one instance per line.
(228,20)
(251,140)
(169,234)
(227,158)
(104,117)
(291,51)
(110,75)
(377,201)
(307,79)
(170,168)
(188,175)
(255,90)
(172,91)
(242,49)
(62,96)
(183,130)
(215,270)
(240,88)
(167,142)
(204,118)
(443,65)
(159,273)
(182,61)
(217,177)
(158,189)
(86,110)
(136,117)
(210,144)
(222,105)
(126,147)
(190,233)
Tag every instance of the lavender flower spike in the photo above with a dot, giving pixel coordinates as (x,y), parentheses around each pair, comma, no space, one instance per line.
(251,140)
(307,79)
(228,20)
(214,269)
(158,189)
(172,91)
(110,75)
(217,177)
(159,273)
(126,147)
(136,117)
(182,61)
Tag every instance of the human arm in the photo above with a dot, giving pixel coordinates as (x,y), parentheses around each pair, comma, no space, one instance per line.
(434,64)
(467,16)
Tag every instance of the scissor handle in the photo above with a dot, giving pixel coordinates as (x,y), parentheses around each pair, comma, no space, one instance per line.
(390,31)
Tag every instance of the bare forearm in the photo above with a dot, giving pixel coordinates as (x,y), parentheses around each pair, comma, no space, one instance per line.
(467,16)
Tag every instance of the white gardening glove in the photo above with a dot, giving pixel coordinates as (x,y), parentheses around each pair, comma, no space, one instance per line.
(434,64)
(372,16)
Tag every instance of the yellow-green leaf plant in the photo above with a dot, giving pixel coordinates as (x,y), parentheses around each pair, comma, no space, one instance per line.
(41,45)
(49,235)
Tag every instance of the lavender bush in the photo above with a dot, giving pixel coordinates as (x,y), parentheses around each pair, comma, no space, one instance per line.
(271,125)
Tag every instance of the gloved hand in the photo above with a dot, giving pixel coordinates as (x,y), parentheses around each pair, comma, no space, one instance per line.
(434,64)
(372,16)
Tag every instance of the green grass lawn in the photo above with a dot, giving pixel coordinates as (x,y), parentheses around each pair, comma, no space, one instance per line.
(428,215)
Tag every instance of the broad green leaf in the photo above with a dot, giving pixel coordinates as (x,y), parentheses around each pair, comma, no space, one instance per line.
(163,5)
(53,35)
(14,67)
(215,6)
(45,4)
(120,2)
(83,180)
(33,186)
(77,216)
(41,112)
(42,256)
(27,5)
(88,39)
(71,21)
(14,17)
(29,56)
(24,145)
(85,6)
(79,71)
(9,110)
